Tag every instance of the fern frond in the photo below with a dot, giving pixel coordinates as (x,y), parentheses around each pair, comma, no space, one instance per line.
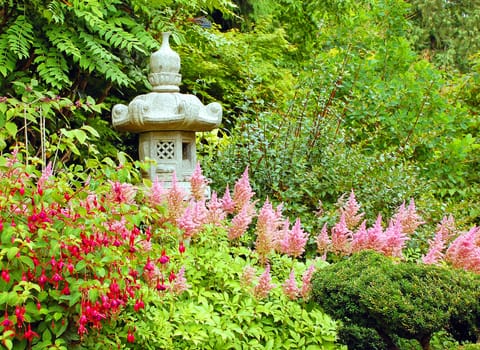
(20,37)
(55,11)
(52,68)
(8,60)
(96,58)
(64,41)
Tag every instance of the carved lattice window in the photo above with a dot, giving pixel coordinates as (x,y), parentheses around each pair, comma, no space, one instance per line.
(165,150)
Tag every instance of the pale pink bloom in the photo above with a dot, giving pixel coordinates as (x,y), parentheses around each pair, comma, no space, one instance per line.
(375,236)
(394,239)
(227,202)
(350,209)
(341,237)
(293,243)
(360,239)
(145,245)
(122,193)
(157,194)
(290,286)
(215,215)
(264,285)
(118,227)
(175,200)
(47,173)
(242,192)
(193,218)
(323,242)
(268,224)
(445,231)
(152,276)
(179,284)
(198,184)
(464,251)
(307,282)
(408,217)
(248,276)
(240,223)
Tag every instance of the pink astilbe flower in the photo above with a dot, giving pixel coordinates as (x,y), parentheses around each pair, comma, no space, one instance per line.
(290,287)
(464,251)
(445,231)
(240,222)
(227,202)
(350,210)
(408,217)
(394,239)
(198,184)
(375,235)
(307,282)
(323,242)
(360,239)
(157,194)
(341,237)
(269,222)
(264,285)
(175,200)
(248,276)
(215,214)
(294,240)
(179,283)
(47,173)
(242,192)
(122,193)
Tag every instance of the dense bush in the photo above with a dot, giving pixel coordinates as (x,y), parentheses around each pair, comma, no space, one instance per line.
(403,299)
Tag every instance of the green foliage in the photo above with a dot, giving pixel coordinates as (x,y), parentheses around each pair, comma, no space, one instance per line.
(404,299)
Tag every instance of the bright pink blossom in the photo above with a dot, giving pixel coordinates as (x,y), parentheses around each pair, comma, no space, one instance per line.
(227,202)
(215,214)
(157,194)
(242,192)
(351,211)
(323,242)
(248,276)
(240,223)
(294,240)
(445,231)
(198,184)
(122,192)
(269,223)
(175,200)
(341,237)
(264,285)
(290,287)
(306,282)
(408,217)
(179,284)
(464,251)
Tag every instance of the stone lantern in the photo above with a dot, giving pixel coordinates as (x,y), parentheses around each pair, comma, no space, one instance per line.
(167,120)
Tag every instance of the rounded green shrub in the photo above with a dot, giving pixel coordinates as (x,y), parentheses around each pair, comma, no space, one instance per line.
(403,299)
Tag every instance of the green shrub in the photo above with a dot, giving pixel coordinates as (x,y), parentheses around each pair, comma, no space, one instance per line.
(398,299)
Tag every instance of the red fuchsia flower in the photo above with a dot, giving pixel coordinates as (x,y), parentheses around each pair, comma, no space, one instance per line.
(6,276)
(323,242)
(294,240)
(42,279)
(161,286)
(172,277)
(179,283)
(242,192)
(122,192)
(227,202)
(20,314)
(6,323)
(341,237)
(198,184)
(1,225)
(240,223)
(164,258)
(264,285)
(130,337)
(29,334)
(350,209)
(139,305)
(181,248)
(307,282)
(290,286)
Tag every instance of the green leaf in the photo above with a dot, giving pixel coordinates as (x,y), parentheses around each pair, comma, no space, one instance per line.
(11,129)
